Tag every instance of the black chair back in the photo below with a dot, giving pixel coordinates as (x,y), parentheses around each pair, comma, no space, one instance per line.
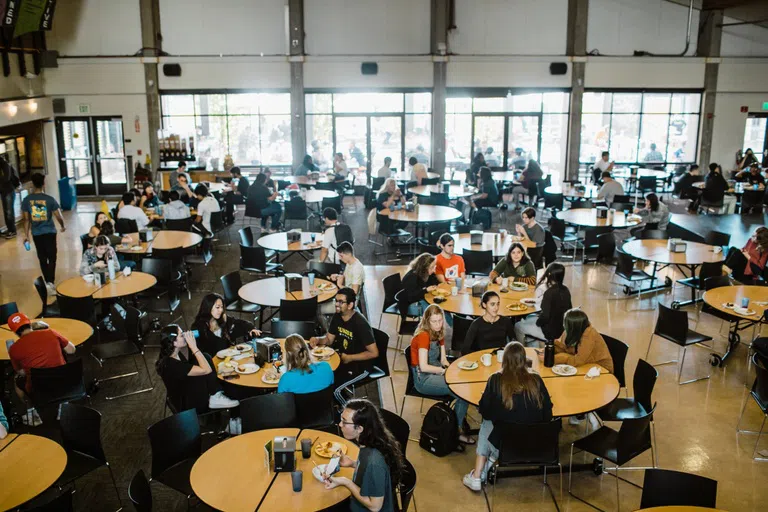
(582,203)
(304,310)
(277,410)
(6,310)
(550,247)
(717,238)
(382,342)
(217,221)
(709,270)
(230,284)
(398,427)
(666,488)
(606,247)
(529,444)
(246,237)
(58,384)
(392,284)
(85,240)
(618,350)
(410,387)
(591,234)
(460,328)
(173,440)
(438,199)
(42,292)
(537,256)
(466,228)
(634,437)
(478,262)
(160,268)
(78,308)
(624,265)
(61,503)
(81,431)
(760,386)
(332,202)
(406,487)
(553,201)
(557,227)
(140,493)
(653,234)
(179,224)
(323,269)
(376,184)
(125,226)
(717,282)
(647,183)
(671,324)
(296,209)
(284,328)
(315,410)
(621,206)
(253,259)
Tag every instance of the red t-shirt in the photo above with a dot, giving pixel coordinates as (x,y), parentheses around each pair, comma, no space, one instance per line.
(451,267)
(421,340)
(37,349)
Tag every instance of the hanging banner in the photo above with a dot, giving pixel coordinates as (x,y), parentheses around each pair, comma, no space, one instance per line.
(9,9)
(30,16)
(46,22)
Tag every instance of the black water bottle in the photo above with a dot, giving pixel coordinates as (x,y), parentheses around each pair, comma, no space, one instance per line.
(549,354)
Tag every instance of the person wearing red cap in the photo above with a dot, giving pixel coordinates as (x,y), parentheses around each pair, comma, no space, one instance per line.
(34,349)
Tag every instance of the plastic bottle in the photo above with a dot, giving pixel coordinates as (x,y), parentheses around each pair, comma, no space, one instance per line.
(111,268)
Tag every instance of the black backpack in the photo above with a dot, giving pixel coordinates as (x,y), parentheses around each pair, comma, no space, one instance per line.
(343,234)
(440,430)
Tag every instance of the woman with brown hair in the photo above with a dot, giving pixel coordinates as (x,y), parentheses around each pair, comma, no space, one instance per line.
(517,266)
(756,252)
(513,395)
(419,280)
(302,375)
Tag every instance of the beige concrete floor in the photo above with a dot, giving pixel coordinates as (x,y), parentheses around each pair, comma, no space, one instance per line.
(695,423)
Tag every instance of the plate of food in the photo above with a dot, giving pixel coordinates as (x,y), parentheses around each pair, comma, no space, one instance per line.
(528,301)
(243,347)
(227,352)
(564,370)
(743,311)
(271,376)
(329,449)
(468,365)
(136,248)
(247,368)
(322,352)
(518,287)
(516,307)
(324,286)
(728,305)
(440,291)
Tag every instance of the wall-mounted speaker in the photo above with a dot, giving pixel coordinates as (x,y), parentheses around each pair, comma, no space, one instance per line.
(59,106)
(49,59)
(369,68)
(558,68)
(172,69)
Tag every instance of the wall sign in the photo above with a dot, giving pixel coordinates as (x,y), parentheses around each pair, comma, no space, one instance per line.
(745,109)
(84,108)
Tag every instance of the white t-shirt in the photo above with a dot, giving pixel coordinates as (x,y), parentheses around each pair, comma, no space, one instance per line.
(206,207)
(354,274)
(384,172)
(602,165)
(329,242)
(135,213)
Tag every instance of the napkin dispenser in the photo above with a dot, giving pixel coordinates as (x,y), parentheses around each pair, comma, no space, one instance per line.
(475,237)
(479,288)
(284,449)
(409,206)
(267,350)
(294,235)
(676,245)
(446,187)
(293,282)
(602,212)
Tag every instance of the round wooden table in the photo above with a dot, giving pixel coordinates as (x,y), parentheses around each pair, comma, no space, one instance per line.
(279,242)
(679,508)
(406,176)
(165,239)
(716,297)
(737,189)
(269,292)
(232,476)
(587,217)
(454,191)
(570,396)
(427,213)
(656,250)
(121,286)
(465,304)
(75,331)
(625,172)
(29,465)
(571,192)
(254,380)
(491,242)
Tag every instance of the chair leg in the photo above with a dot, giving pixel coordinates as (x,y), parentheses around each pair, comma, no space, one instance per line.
(618,499)
(394,397)
(746,401)
(402,406)
(680,371)
(757,443)
(654,446)
(114,483)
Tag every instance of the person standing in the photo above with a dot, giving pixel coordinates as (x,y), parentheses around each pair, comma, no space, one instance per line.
(9,184)
(39,210)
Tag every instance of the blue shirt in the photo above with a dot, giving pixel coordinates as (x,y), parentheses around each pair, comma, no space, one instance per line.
(40,208)
(299,382)
(3,419)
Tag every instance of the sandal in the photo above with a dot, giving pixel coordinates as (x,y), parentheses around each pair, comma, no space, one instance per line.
(466,440)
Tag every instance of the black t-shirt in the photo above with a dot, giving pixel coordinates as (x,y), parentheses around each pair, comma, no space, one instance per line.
(260,195)
(482,335)
(353,335)
(242,185)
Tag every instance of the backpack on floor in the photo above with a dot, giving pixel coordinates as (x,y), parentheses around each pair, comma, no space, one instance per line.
(483,217)
(440,430)
(343,234)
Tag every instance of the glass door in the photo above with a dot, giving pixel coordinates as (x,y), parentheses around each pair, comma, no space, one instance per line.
(351,139)
(756,136)
(386,141)
(488,139)
(110,156)
(524,137)
(75,155)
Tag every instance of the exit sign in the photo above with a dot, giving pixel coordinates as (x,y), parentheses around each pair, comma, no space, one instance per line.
(765,105)
(84,108)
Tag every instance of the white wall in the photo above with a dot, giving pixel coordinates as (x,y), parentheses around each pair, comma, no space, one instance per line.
(17,86)
(510,72)
(227,73)
(96,27)
(367,27)
(644,72)
(744,40)
(504,27)
(619,27)
(227,27)
(327,72)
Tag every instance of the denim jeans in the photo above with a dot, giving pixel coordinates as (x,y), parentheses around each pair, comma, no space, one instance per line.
(434,385)
(528,326)
(274,210)
(484,446)
(10,219)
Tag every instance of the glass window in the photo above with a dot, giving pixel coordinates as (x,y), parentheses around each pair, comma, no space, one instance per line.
(656,103)
(625,130)
(243,104)
(489,139)
(362,102)
(653,138)
(686,103)
(274,103)
(458,138)
(212,139)
(554,134)
(244,139)
(418,103)
(489,104)
(458,105)
(211,104)
(556,101)
(596,102)
(318,103)
(594,136)
(320,139)
(627,102)
(276,140)
(526,103)
(418,138)
(683,137)
(179,124)
(754,133)
(177,105)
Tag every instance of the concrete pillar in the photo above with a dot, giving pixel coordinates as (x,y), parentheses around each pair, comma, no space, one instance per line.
(439,24)
(710,34)
(151,42)
(296,56)
(576,48)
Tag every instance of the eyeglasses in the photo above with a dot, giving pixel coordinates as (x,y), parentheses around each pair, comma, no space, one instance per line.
(347,422)
(341,302)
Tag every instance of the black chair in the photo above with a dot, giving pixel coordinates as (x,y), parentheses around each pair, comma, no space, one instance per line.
(61,503)
(667,488)
(164,297)
(322,269)
(81,439)
(625,269)
(697,282)
(380,367)
(553,201)
(203,258)
(526,445)
(296,209)
(246,237)
(398,427)
(78,308)
(652,234)
(57,385)
(406,327)
(406,487)
(125,226)
(230,284)
(332,202)
(49,310)
(176,445)
(179,224)
(85,240)
(466,228)
(140,493)
(759,394)
(618,350)
(410,388)
(437,199)
(590,240)
(277,410)
(606,248)
(646,184)
(6,310)
(316,410)
(557,228)
(131,346)
(582,204)
(304,310)
(632,439)
(392,284)
(536,254)
(218,226)
(284,328)
(478,263)
(550,248)
(461,326)
(717,238)
(672,325)
(254,260)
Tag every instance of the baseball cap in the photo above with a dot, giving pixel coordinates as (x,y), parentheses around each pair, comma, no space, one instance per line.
(18,320)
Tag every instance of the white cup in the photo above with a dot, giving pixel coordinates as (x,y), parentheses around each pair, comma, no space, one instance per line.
(499,355)
(503,232)
(486,359)
(454,290)
(505,282)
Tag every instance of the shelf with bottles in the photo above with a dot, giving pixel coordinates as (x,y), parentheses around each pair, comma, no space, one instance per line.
(174,147)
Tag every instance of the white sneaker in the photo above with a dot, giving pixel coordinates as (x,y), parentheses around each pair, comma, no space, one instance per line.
(221,401)
(473,483)
(575,420)
(51,289)
(32,418)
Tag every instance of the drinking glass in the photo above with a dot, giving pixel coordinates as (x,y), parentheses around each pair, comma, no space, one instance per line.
(311,278)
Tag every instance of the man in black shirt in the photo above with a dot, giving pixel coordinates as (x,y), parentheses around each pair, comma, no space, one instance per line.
(264,200)
(351,336)
(237,194)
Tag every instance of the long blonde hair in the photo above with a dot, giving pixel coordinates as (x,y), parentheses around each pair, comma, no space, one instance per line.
(424,326)
(297,353)
(386,183)
(515,377)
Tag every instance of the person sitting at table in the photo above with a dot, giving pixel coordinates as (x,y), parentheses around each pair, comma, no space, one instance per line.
(429,363)
(176,209)
(751,176)
(173,176)
(189,377)
(513,395)
(216,330)
(302,375)
(580,343)
(328,252)
(135,192)
(488,193)
(237,194)
(340,167)
(419,280)
(38,348)
(389,197)
(133,212)
(182,187)
(206,206)
(306,167)
(265,201)
(655,212)
(269,182)
(103,225)
(609,189)
(490,330)
(97,257)
(683,185)
(4,426)
(354,271)
(530,229)
(385,171)
(516,265)
(148,198)
(418,170)
(531,172)
(448,266)
(351,336)
(555,301)
(755,252)
(379,464)
(477,163)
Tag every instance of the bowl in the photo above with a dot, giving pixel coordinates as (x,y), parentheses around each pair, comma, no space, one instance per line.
(88,278)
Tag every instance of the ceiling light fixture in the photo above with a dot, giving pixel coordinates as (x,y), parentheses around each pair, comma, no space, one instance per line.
(32,106)
(12,109)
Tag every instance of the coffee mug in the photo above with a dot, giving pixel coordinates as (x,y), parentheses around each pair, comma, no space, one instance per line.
(499,355)
(486,359)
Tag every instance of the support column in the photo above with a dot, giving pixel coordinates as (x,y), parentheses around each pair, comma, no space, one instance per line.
(710,31)
(151,42)
(439,48)
(576,48)
(296,53)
